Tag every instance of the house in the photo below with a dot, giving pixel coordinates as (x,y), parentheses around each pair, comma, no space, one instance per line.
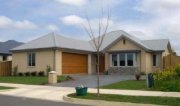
(120,53)
(5,54)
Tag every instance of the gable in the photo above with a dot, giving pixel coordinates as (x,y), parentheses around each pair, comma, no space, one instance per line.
(124,44)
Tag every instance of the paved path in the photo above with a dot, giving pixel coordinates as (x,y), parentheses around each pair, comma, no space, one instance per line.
(57,93)
(91,80)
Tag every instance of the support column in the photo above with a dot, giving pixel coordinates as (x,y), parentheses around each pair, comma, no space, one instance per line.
(58,63)
(89,64)
(107,61)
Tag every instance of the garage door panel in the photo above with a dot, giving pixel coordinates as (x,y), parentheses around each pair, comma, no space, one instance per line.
(74,63)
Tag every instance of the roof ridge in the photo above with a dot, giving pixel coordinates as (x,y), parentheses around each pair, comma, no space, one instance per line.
(54,38)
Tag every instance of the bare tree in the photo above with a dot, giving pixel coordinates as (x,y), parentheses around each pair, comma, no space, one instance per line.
(97,39)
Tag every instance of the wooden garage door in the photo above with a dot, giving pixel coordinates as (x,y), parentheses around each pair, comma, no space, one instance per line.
(74,63)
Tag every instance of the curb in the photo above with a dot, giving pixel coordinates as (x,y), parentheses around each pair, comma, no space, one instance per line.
(102,102)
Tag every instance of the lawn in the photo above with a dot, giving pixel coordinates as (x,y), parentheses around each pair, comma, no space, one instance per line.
(4,88)
(32,80)
(128,85)
(170,101)
(173,85)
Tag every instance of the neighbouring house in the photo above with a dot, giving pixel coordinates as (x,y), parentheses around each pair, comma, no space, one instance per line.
(5,54)
(120,53)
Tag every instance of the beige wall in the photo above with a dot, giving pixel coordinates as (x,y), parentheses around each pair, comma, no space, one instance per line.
(144,59)
(93,64)
(120,46)
(1,58)
(43,58)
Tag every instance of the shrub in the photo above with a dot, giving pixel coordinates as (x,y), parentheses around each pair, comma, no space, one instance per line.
(27,74)
(48,69)
(20,74)
(177,70)
(41,73)
(165,75)
(138,75)
(33,73)
(168,80)
(106,73)
(142,73)
(15,70)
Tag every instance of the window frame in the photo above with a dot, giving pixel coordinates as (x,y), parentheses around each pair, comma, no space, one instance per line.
(154,60)
(126,63)
(30,61)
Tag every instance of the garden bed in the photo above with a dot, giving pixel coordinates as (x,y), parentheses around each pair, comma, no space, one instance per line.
(32,80)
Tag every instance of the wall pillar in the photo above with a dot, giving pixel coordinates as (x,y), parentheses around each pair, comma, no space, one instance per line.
(89,63)
(143,61)
(58,63)
(107,61)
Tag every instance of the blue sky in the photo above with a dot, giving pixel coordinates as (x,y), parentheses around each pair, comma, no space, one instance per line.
(25,20)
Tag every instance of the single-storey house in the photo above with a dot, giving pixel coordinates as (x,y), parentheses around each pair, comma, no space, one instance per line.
(5,54)
(121,53)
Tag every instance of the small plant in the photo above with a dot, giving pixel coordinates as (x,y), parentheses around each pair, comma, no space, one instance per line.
(138,75)
(15,70)
(34,73)
(41,73)
(27,74)
(106,73)
(20,74)
(48,69)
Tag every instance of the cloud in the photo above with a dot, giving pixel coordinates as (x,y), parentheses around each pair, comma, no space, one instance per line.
(73,2)
(158,6)
(25,24)
(52,27)
(72,20)
(164,20)
(75,20)
(6,22)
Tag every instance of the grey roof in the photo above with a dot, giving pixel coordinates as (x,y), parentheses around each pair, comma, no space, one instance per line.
(52,40)
(114,36)
(157,44)
(6,46)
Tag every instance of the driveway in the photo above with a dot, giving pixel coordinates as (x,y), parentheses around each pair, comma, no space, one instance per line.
(91,80)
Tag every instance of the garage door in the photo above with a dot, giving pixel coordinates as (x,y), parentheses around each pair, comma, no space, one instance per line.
(74,63)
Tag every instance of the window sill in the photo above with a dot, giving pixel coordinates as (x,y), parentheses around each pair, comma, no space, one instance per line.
(123,66)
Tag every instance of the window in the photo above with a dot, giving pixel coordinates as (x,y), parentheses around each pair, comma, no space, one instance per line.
(114,60)
(130,60)
(154,59)
(122,59)
(31,59)
(4,58)
(124,41)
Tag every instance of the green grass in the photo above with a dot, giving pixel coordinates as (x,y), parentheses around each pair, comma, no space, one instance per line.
(128,85)
(36,80)
(4,88)
(173,85)
(170,101)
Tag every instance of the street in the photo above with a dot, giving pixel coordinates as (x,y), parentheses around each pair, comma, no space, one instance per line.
(19,101)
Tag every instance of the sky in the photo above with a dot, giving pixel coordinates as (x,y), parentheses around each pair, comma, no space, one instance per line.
(25,20)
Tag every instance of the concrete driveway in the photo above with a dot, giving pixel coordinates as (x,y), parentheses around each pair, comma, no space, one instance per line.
(91,80)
